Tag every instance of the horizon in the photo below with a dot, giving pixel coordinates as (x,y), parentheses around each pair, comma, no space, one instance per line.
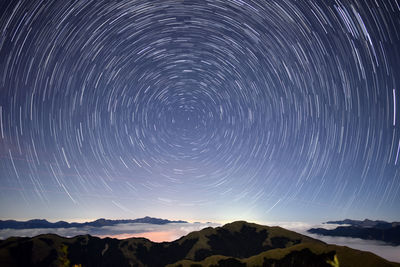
(82,220)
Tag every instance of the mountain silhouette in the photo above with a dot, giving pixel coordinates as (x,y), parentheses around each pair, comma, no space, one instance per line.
(367,229)
(366,223)
(234,244)
(37,223)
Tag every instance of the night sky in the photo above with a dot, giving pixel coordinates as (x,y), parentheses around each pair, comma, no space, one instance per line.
(200,110)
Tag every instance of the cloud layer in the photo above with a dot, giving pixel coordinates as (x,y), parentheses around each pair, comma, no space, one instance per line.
(156,233)
(173,231)
(391,253)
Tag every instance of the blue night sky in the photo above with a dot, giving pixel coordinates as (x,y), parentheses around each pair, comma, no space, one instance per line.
(200,110)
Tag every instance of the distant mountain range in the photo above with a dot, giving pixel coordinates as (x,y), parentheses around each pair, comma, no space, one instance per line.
(370,230)
(31,224)
(367,223)
(235,244)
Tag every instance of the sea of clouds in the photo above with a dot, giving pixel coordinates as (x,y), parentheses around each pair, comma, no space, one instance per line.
(382,249)
(173,231)
(154,232)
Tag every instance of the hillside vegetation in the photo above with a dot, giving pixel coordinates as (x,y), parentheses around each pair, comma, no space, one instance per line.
(235,244)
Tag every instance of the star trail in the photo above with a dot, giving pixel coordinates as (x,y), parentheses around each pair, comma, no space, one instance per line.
(200,109)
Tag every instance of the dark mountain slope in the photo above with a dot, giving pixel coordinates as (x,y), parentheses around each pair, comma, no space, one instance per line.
(234,244)
(301,255)
(367,229)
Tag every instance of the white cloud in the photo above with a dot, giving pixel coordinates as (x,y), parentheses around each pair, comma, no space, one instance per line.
(391,253)
(171,231)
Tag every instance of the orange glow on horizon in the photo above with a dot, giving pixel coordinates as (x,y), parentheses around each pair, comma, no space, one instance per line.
(162,236)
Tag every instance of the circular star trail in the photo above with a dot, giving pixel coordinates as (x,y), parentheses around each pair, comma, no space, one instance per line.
(219,107)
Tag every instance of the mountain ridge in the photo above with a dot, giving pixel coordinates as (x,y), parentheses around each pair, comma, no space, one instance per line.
(42,223)
(235,244)
(366,223)
(388,232)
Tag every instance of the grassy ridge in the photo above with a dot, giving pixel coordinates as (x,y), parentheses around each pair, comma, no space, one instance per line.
(322,256)
(234,244)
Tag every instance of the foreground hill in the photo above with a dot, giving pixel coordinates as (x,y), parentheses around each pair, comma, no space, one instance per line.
(235,244)
(367,229)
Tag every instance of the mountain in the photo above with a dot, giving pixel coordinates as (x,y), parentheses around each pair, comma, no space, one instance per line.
(366,223)
(389,235)
(367,229)
(235,244)
(31,224)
